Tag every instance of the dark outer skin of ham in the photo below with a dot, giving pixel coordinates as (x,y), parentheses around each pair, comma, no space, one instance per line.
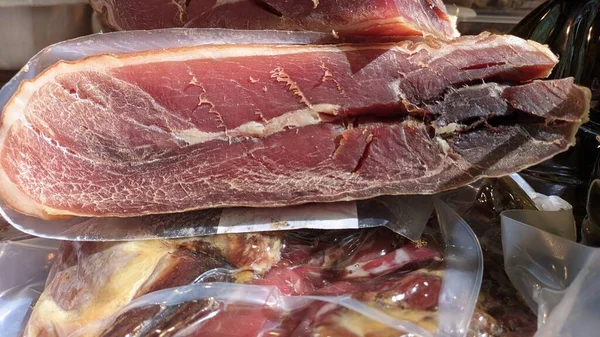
(354,18)
(129,141)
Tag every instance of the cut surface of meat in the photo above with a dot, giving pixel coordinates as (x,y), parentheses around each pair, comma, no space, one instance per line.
(267,126)
(355,18)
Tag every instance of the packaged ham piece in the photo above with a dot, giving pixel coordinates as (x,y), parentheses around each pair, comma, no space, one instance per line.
(265,125)
(369,282)
(351,18)
(92,282)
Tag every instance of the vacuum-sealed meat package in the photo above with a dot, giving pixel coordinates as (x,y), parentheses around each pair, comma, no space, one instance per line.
(314,282)
(369,282)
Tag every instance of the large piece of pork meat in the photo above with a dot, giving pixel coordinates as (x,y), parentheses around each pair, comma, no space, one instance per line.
(275,125)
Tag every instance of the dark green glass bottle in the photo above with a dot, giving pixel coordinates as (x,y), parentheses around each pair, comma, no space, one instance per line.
(571,28)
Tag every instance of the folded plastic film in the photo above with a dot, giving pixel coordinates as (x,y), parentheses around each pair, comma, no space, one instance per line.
(406,215)
(557,276)
(541,201)
(230,303)
(463,275)
(25,265)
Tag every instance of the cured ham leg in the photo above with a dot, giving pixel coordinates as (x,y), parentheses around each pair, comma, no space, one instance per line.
(275,125)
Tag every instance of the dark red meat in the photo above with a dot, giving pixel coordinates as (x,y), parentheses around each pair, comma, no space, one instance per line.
(279,125)
(377,18)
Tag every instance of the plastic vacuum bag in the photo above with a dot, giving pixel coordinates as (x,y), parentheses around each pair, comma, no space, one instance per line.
(463,275)
(25,264)
(557,276)
(292,283)
(406,215)
(480,205)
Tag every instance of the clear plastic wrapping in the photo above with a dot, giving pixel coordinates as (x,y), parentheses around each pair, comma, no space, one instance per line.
(343,282)
(464,272)
(480,206)
(293,283)
(402,214)
(557,276)
(25,263)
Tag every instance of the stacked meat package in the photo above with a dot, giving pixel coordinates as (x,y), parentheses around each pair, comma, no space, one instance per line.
(280,168)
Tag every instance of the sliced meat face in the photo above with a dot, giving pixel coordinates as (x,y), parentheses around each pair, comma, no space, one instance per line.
(262,126)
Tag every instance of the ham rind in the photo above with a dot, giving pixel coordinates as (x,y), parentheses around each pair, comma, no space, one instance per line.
(262,126)
(354,18)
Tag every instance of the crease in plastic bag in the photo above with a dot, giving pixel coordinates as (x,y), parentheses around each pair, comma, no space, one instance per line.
(257,308)
(258,298)
(404,215)
(25,265)
(464,272)
(558,277)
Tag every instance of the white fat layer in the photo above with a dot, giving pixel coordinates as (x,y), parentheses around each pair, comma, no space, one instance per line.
(443,144)
(358,270)
(289,120)
(395,88)
(142,258)
(401,257)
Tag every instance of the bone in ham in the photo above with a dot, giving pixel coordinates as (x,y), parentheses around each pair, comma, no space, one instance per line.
(92,285)
(355,18)
(273,125)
